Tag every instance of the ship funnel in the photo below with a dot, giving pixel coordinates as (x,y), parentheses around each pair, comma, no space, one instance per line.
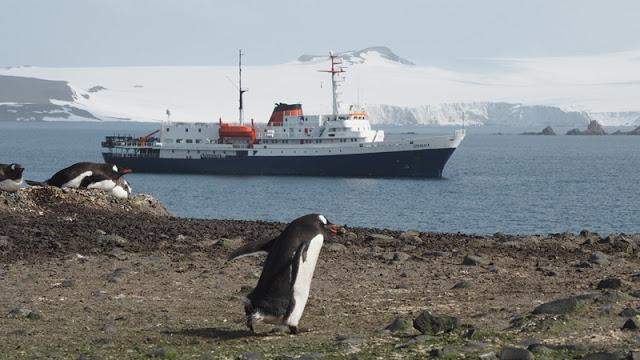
(281,110)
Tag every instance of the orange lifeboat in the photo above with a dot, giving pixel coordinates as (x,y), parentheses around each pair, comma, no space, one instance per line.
(237,132)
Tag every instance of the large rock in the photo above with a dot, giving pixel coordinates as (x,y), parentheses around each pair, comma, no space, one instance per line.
(546,131)
(557,307)
(474,260)
(431,324)
(610,283)
(514,353)
(594,128)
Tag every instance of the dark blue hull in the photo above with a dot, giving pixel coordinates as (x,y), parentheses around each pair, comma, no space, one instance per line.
(428,163)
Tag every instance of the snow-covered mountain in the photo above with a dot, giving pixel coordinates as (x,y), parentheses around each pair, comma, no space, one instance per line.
(563,91)
(477,114)
(360,56)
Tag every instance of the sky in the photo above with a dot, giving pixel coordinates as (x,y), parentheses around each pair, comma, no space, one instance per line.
(78,33)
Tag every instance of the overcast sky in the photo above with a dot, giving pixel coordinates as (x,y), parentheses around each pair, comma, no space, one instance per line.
(209,32)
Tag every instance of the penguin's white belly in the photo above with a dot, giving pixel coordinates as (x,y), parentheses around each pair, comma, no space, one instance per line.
(76,181)
(119,192)
(10,185)
(302,282)
(106,185)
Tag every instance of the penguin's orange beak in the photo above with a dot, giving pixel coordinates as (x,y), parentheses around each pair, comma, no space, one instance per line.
(333,228)
(126,171)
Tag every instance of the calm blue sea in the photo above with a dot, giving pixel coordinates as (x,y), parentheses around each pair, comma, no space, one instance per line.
(506,183)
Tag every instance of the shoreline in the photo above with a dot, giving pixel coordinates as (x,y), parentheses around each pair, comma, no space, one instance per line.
(89,275)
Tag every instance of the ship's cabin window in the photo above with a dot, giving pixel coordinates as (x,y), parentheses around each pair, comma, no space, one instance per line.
(178,141)
(167,129)
(199,130)
(186,130)
(198,141)
(189,141)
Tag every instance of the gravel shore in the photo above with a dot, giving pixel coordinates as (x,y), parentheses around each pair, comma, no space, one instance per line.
(85,275)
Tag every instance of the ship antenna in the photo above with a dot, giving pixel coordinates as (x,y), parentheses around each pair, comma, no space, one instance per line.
(241,91)
(335,60)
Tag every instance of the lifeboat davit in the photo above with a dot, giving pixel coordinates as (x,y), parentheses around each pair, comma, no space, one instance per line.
(237,132)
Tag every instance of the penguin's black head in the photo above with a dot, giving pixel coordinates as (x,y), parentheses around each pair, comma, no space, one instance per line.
(333,229)
(119,172)
(14,171)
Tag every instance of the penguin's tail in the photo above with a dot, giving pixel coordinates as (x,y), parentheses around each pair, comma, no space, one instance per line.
(36,183)
(253,248)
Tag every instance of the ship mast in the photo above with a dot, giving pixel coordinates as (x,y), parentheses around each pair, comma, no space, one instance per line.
(241,91)
(335,60)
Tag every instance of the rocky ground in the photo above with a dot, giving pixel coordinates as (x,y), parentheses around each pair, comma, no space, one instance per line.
(84,275)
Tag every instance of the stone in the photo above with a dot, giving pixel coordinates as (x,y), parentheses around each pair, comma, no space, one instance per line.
(22,313)
(158,352)
(631,324)
(349,344)
(112,239)
(350,236)
(599,258)
(401,257)
(610,283)
(474,260)
(557,307)
(251,356)
(602,356)
(514,353)
(399,325)
(207,243)
(117,275)
(230,244)
(335,247)
(103,343)
(432,324)
(382,240)
(629,312)
(464,284)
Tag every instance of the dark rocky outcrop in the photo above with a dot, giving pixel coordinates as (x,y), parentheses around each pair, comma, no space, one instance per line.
(594,128)
(546,131)
(432,324)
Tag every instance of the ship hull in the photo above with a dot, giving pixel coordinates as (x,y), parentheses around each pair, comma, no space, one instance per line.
(425,163)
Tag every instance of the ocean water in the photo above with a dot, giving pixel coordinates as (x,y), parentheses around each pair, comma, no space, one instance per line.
(505,183)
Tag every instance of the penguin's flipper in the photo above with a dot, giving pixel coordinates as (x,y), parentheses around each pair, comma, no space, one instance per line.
(253,248)
(36,183)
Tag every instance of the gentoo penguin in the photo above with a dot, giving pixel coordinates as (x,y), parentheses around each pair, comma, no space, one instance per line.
(283,288)
(10,177)
(85,175)
(122,190)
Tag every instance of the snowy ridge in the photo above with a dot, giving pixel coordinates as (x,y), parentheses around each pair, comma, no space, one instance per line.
(371,54)
(476,114)
(535,92)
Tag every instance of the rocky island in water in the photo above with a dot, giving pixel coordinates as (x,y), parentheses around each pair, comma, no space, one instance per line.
(88,276)
(546,131)
(594,128)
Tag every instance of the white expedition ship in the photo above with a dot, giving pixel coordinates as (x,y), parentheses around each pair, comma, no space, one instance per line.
(291,143)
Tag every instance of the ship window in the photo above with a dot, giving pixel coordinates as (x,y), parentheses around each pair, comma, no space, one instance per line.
(178,141)
(167,129)
(186,130)
(198,141)
(199,130)
(189,141)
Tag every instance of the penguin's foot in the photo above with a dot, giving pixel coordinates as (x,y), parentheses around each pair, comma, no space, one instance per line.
(298,330)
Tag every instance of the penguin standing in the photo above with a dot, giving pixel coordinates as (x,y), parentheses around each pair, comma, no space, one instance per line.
(10,177)
(283,288)
(85,175)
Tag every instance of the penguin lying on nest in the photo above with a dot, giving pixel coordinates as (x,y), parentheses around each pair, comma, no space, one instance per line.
(10,177)
(283,288)
(88,175)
